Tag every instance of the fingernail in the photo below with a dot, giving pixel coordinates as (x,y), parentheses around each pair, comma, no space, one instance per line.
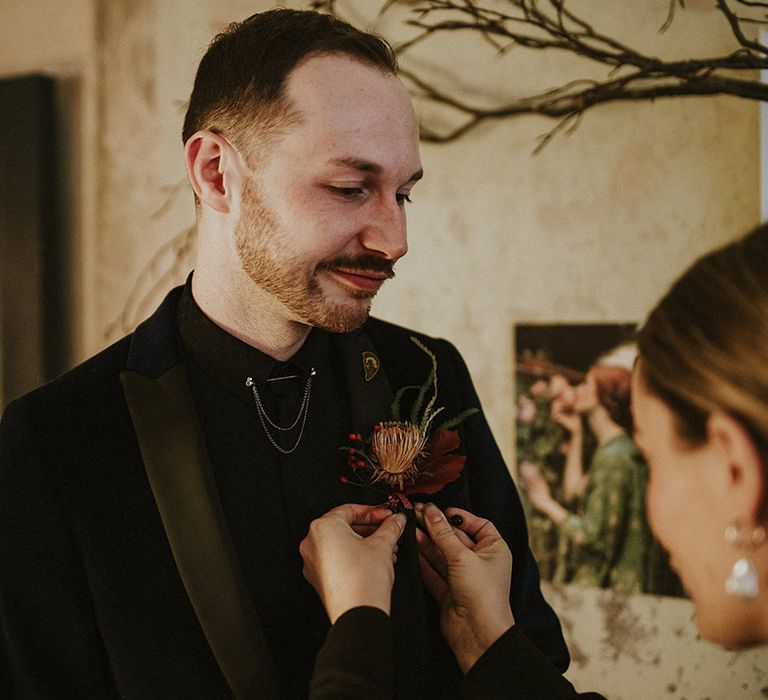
(433,513)
(456,520)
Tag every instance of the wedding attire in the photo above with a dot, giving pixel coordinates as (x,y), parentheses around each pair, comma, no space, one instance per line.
(149,529)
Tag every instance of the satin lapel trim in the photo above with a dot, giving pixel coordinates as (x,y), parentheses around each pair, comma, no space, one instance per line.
(176,462)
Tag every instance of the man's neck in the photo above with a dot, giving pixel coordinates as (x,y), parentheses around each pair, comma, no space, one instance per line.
(260,321)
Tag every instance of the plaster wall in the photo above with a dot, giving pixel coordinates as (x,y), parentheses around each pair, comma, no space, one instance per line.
(641,647)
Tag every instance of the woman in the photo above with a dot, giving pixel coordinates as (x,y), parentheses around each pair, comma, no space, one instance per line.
(700,401)
(607,539)
(700,404)
(467,568)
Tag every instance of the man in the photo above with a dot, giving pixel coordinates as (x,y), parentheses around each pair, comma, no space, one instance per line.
(152,500)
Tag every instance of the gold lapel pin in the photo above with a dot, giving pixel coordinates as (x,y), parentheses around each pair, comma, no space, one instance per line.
(371,365)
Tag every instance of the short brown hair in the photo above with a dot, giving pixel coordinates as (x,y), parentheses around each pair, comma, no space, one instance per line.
(240,82)
(705,346)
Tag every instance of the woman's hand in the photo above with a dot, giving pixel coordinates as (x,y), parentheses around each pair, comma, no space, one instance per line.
(563,412)
(535,485)
(349,555)
(468,570)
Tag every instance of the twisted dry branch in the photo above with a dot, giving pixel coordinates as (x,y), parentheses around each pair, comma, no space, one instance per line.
(550,25)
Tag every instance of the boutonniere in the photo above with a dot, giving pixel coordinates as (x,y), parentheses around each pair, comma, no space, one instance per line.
(401,457)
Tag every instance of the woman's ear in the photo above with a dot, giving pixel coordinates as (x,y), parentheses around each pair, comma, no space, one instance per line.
(213,166)
(744,480)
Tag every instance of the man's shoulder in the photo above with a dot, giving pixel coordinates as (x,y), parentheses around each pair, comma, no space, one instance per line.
(91,377)
(97,379)
(406,361)
(387,333)
(378,325)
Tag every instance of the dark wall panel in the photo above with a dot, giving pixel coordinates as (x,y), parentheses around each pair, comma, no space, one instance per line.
(33,322)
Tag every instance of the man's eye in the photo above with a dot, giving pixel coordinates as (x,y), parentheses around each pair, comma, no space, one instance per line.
(348,192)
(402,198)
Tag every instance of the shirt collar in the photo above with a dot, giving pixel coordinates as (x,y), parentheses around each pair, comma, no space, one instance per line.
(231,361)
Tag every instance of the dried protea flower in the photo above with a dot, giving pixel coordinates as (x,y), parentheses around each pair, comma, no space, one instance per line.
(397,447)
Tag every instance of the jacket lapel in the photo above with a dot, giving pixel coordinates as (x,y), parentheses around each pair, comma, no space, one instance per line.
(370,399)
(368,389)
(182,482)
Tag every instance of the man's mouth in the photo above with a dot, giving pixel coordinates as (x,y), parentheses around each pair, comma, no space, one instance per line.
(362,280)
(364,274)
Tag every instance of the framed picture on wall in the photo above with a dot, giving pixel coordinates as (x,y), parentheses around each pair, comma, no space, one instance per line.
(582,477)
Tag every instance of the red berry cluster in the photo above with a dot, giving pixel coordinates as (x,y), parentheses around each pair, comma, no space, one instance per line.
(353,456)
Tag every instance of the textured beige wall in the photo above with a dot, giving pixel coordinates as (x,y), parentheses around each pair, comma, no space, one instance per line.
(646,647)
(592,229)
(38,36)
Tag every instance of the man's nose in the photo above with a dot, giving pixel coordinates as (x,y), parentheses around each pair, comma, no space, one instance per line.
(386,232)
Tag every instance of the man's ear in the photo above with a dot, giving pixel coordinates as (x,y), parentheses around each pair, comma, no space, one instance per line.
(744,481)
(213,166)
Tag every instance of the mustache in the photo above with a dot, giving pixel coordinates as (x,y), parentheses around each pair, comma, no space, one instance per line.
(367,262)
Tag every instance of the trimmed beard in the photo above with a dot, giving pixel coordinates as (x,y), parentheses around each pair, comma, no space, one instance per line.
(261,247)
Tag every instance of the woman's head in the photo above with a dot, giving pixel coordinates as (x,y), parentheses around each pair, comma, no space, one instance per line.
(700,402)
(704,346)
(608,387)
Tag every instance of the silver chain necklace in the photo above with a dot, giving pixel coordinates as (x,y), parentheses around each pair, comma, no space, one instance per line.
(301,416)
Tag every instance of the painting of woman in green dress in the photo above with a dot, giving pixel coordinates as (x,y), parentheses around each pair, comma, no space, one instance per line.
(595,509)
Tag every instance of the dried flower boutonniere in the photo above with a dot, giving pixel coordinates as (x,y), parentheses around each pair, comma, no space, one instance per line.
(402,457)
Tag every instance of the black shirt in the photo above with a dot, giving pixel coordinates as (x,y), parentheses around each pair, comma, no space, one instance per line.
(269,497)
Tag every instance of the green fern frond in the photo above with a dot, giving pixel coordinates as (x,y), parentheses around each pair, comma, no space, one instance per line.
(453,422)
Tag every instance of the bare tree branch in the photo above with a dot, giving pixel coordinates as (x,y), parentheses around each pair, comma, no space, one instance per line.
(328,6)
(549,25)
(671,14)
(559,103)
(735,23)
(753,4)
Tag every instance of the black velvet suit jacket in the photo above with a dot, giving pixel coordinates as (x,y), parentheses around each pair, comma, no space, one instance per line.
(356,663)
(117,578)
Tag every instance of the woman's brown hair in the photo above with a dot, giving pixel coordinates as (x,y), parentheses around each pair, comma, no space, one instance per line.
(704,347)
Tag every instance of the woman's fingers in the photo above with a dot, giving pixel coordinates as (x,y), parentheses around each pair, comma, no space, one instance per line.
(477,530)
(390,529)
(359,514)
(442,533)
(456,522)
